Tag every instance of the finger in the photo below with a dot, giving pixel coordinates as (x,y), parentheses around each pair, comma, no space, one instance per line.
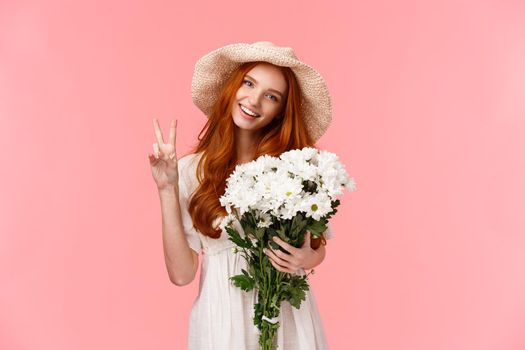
(156,150)
(152,158)
(173,131)
(279,254)
(277,267)
(158,132)
(280,268)
(288,247)
(271,254)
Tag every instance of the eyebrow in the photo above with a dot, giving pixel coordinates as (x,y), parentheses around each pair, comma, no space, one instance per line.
(276,91)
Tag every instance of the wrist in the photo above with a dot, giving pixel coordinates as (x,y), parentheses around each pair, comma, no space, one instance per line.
(168,190)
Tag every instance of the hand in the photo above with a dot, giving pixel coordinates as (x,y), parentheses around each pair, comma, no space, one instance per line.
(163,161)
(304,257)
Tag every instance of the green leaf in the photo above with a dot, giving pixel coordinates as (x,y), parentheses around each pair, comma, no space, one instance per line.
(259,232)
(281,231)
(236,238)
(298,225)
(317,227)
(243,281)
(295,291)
(248,220)
(334,204)
(274,245)
(297,295)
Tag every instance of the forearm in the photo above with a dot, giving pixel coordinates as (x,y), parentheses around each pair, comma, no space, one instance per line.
(178,255)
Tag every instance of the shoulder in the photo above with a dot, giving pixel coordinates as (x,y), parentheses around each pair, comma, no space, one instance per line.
(187,159)
(187,166)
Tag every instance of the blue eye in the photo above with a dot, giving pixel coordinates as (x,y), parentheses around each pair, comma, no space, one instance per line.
(250,84)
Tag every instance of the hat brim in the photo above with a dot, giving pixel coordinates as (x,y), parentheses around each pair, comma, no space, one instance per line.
(213,69)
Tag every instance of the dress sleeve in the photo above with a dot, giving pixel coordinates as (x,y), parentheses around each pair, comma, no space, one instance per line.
(192,235)
(329,233)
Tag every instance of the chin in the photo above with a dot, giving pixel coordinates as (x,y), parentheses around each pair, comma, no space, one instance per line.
(241,123)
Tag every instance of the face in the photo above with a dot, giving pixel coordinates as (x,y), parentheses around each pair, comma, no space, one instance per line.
(263,94)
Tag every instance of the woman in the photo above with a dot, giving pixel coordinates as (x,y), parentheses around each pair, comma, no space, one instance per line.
(260,99)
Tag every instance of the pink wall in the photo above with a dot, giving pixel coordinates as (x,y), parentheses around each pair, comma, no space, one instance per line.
(429,116)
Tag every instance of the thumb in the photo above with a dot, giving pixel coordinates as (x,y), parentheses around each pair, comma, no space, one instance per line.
(307,239)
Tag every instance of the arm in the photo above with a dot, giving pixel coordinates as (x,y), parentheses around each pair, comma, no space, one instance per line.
(181,261)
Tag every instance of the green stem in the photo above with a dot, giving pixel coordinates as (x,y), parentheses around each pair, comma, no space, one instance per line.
(269,330)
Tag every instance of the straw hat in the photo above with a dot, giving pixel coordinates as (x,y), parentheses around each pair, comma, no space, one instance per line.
(213,69)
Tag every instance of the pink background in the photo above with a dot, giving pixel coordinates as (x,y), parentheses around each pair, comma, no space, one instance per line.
(429,118)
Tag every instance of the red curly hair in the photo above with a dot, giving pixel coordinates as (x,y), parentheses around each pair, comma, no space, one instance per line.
(219,148)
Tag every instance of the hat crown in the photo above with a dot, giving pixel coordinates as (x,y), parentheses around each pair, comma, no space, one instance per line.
(283,50)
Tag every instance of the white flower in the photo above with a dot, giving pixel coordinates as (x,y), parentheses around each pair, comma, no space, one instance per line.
(290,208)
(316,206)
(276,185)
(351,185)
(264,220)
(306,154)
(227,220)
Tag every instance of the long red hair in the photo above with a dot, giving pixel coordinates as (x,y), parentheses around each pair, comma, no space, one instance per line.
(217,142)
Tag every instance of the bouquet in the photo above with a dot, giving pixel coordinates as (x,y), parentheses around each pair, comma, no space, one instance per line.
(284,196)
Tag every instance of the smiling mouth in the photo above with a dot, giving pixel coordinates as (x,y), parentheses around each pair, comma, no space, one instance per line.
(249,115)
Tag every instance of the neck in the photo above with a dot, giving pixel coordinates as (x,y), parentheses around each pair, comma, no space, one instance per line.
(245,141)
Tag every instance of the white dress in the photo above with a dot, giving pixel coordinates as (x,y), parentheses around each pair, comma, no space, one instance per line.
(221,317)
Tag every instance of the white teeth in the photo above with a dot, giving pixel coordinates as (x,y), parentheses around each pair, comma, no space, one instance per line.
(247,111)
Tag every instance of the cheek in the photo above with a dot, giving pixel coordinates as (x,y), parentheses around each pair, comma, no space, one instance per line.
(272,109)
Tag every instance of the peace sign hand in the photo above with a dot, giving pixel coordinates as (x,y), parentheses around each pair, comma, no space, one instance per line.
(163,161)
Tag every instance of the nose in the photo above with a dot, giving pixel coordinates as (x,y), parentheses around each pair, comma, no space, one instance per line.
(254,99)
